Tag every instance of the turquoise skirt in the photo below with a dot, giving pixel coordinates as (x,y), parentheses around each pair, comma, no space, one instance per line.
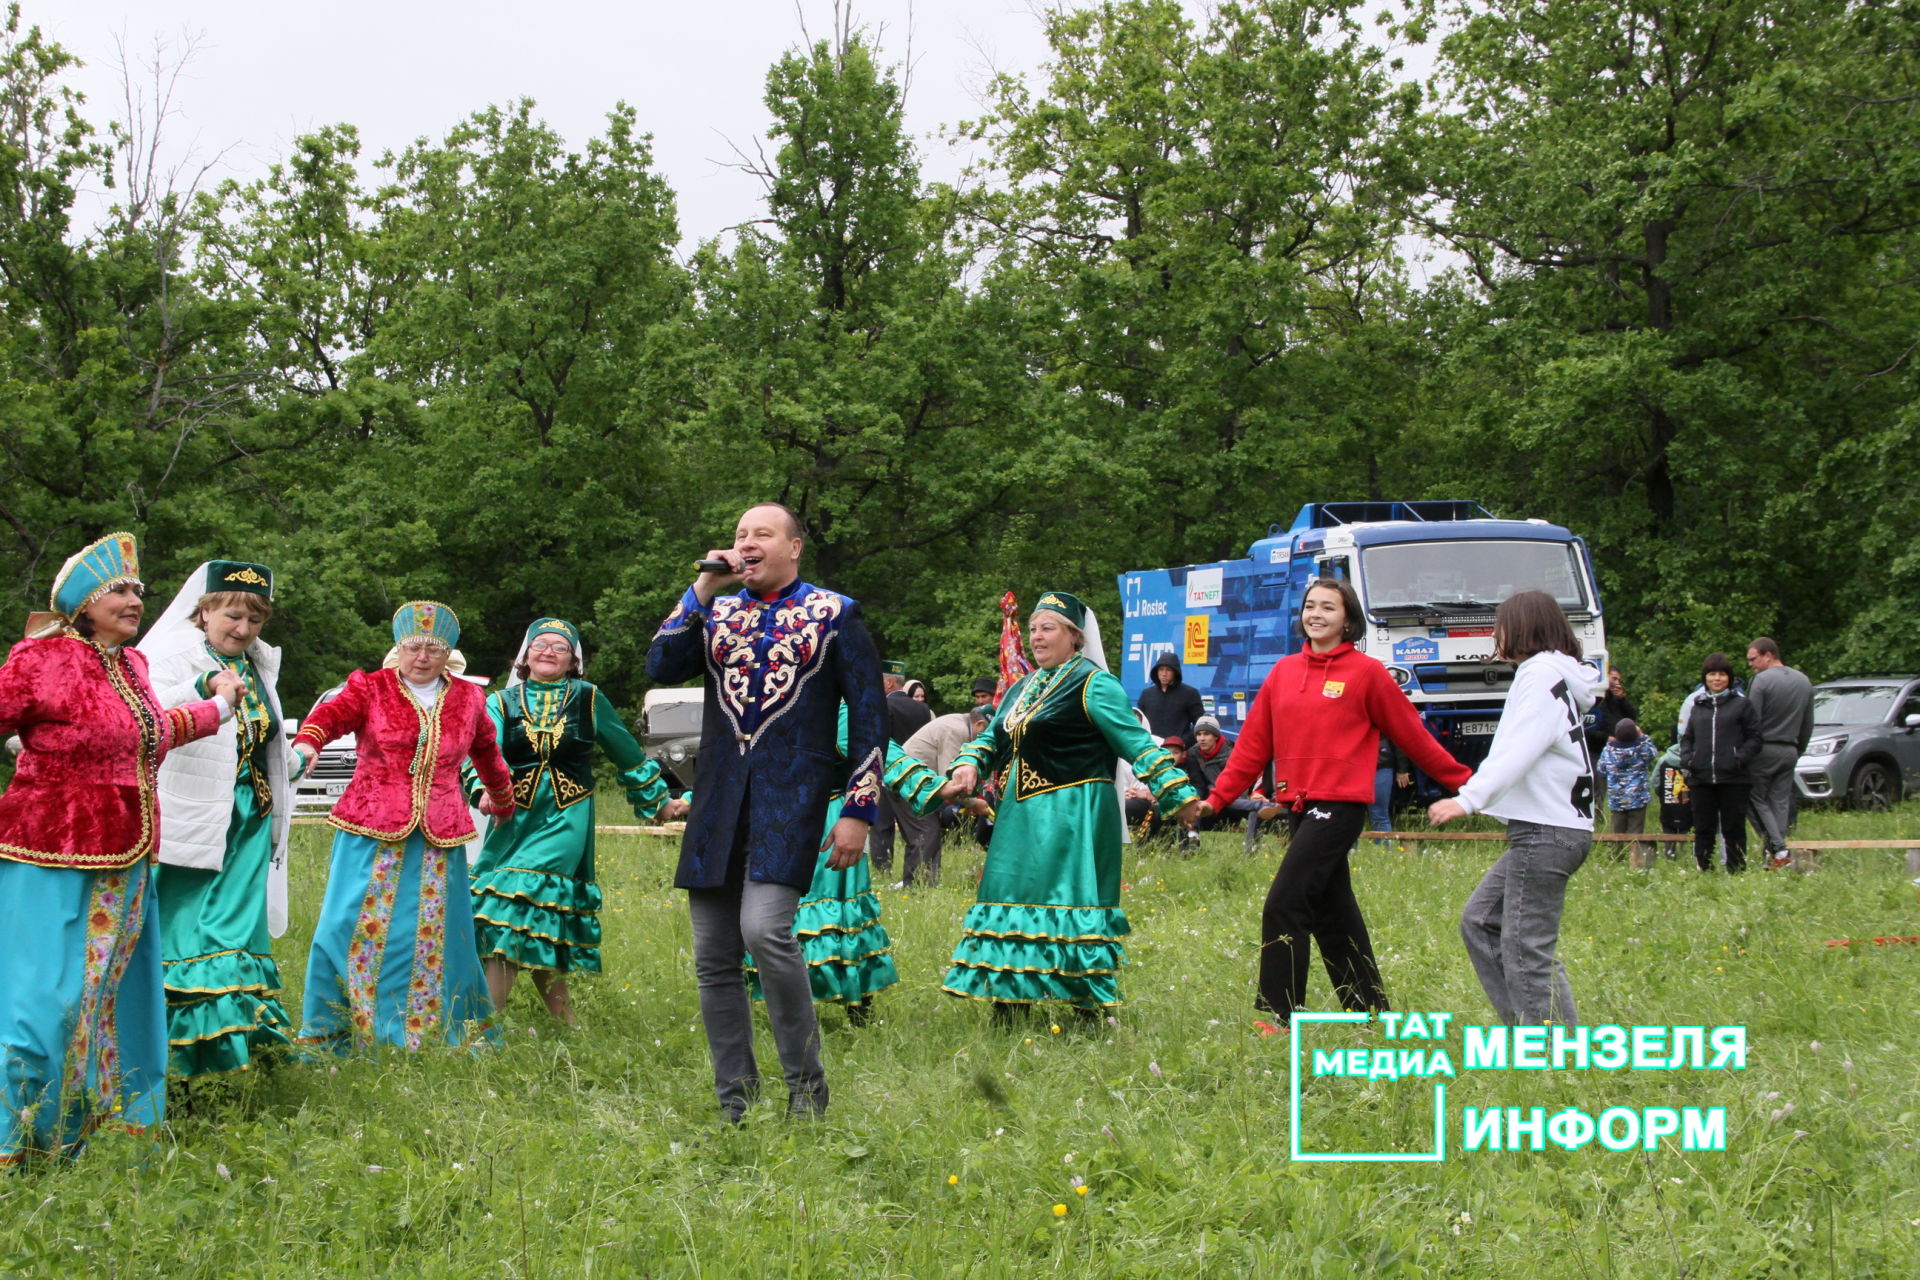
(83,1023)
(391,964)
(223,988)
(849,955)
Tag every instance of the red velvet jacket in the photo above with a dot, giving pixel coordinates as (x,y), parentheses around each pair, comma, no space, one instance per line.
(388,796)
(1318,717)
(84,792)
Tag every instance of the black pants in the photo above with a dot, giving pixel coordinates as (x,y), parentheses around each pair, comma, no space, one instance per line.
(1312,898)
(1720,808)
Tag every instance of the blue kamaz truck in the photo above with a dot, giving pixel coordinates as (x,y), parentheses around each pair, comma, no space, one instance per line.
(1428,574)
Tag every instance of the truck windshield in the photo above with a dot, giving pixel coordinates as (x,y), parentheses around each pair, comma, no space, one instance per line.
(1468,575)
(1854,704)
(673,719)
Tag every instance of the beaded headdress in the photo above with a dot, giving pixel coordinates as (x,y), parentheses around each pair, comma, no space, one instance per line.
(427,618)
(93,571)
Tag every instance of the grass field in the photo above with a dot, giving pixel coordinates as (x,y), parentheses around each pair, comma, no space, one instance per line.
(1154,1147)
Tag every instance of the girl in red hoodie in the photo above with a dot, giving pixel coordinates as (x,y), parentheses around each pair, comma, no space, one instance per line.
(1318,718)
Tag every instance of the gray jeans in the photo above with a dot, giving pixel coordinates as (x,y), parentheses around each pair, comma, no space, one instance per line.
(727,923)
(1511,924)
(1770,803)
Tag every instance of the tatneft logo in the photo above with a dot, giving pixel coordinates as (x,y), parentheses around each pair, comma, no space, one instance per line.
(1205,587)
(1534,1048)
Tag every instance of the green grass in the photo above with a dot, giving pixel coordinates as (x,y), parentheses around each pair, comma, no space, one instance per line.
(596,1153)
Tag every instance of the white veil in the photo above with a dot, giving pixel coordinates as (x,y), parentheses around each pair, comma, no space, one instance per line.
(1096,652)
(173,631)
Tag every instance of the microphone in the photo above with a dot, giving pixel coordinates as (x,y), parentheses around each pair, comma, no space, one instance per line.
(712,566)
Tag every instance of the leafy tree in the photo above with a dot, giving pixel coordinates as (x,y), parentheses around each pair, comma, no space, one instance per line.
(1670,213)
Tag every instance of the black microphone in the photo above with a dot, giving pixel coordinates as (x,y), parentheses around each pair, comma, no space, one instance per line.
(713,566)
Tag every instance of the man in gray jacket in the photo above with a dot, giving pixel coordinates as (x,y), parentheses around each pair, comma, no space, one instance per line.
(1782,701)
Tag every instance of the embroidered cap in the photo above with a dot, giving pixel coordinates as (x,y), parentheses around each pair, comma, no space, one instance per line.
(427,618)
(554,627)
(239,575)
(890,668)
(93,571)
(1067,605)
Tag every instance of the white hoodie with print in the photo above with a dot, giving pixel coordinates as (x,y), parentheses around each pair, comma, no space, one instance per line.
(1539,769)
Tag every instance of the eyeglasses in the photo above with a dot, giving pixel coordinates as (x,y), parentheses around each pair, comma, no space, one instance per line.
(538,647)
(422,646)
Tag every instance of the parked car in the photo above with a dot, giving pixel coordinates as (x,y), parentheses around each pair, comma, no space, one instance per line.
(318,789)
(1865,750)
(669,730)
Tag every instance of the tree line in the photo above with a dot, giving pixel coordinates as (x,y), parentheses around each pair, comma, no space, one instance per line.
(1678,315)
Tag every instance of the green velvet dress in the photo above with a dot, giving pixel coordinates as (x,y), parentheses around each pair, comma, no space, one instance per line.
(849,955)
(222,985)
(1047,922)
(535,903)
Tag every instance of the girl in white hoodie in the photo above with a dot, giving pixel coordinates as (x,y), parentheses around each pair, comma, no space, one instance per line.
(1538,779)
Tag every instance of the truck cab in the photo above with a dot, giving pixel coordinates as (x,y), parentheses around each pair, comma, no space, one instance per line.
(1429,575)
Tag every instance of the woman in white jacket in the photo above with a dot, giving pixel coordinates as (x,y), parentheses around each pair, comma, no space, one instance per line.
(222,882)
(1538,779)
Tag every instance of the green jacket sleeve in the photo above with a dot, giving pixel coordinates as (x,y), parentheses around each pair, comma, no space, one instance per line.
(646,788)
(470,779)
(1106,702)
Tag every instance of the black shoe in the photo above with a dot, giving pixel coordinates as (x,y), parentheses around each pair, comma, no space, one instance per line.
(860,1012)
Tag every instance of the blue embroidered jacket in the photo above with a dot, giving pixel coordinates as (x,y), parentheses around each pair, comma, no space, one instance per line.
(776,672)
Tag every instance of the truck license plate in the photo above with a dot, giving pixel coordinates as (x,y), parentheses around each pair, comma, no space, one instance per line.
(339,788)
(1478,728)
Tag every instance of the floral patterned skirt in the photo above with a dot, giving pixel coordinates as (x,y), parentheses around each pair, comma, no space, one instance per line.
(391,964)
(83,1026)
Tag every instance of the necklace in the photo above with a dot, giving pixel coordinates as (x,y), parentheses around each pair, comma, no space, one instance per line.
(545,717)
(1034,696)
(253,719)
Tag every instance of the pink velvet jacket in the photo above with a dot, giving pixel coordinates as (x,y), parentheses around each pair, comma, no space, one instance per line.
(408,771)
(84,792)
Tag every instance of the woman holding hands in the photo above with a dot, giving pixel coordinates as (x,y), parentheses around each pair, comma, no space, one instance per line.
(1318,719)
(535,903)
(1538,779)
(83,1022)
(1047,922)
(222,882)
(393,959)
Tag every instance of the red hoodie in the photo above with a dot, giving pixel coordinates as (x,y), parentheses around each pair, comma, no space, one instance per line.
(1319,718)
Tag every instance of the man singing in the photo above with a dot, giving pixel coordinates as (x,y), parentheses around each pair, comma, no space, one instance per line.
(779,655)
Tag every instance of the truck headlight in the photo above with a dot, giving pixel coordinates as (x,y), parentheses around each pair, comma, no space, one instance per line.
(1401,676)
(676,754)
(1821,747)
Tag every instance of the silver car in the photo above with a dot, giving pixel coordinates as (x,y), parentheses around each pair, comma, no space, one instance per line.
(1865,750)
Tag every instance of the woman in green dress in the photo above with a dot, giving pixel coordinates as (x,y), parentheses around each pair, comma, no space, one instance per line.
(1047,922)
(535,903)
(222,879)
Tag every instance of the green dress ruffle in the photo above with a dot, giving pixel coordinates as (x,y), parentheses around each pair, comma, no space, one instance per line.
(222,985)
(849,955)
(1047,922)
(535,901)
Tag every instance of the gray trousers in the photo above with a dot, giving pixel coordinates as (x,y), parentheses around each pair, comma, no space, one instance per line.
(923,837)
(1770,804)
(1511,924)
(727,923)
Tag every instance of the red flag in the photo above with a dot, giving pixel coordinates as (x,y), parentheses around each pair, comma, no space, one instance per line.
(1013,653)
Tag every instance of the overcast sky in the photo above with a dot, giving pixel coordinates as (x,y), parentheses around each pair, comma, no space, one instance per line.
(264,72)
